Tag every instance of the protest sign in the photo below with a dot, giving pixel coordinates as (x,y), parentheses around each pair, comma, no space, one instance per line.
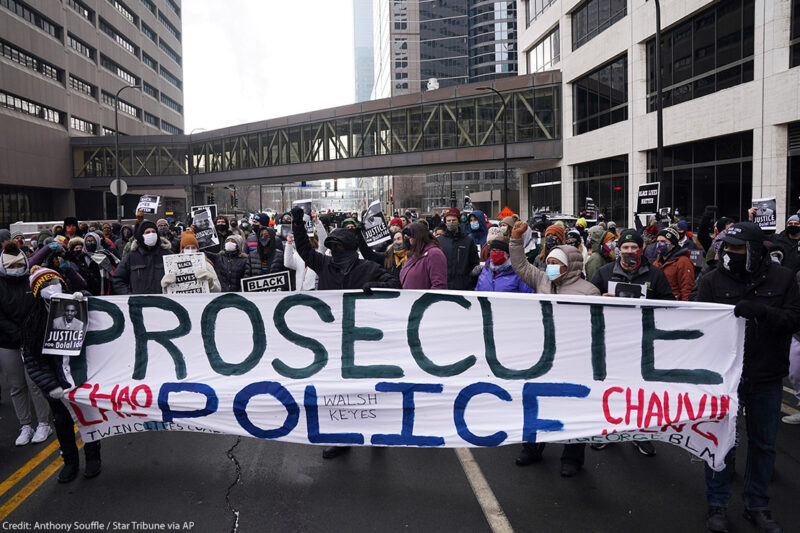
(591,210)
(375,232)
(65,330)
(647,198)
(204,229)
(184,267)
(148,204)
(275,282)
(211,207)
(765,215)
(306,205)
(627,290)
(312,368)
(697,257)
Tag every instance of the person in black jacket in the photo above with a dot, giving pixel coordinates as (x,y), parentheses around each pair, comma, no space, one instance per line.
(141,270)
(766,294)
(48,374)
(267,257)
(341,270)
(230,265)
(460,251)
(789,242)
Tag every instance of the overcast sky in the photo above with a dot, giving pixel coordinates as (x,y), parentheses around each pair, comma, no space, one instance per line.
(246,60)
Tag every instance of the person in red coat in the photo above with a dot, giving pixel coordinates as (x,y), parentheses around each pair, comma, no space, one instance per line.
(674,261)
(426,265)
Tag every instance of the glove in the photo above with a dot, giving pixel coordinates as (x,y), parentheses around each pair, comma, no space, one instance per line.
(66,265)
(750,309)
(203,273)
(297,215)
(78,296)
(55,246)
(519,230)
(56,393)
(167,280)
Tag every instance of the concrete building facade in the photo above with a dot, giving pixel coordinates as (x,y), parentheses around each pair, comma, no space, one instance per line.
(61,63)
(731,96)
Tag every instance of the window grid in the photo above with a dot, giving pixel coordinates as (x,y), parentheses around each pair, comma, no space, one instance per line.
(546,53)
(85,126)
(150,6)
(167,75)
(151,119)
(593,17)
(534,8)
(167,24)
(9,101)
(601,97)
(81,86)
(174,7)
(149,90)
(32,62)
(80,47)
(172,104)
(149,61)
(107,131)
(169,128)
(117,37)
(794,44)
(125,12)
(122,105)
(119,71)
(33,17)
(605,181)
(148,32)
(169,51)
(81,9)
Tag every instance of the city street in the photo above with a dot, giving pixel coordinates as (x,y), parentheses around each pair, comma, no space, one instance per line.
(205,483)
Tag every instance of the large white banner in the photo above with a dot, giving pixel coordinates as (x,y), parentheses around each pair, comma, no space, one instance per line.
(412,368)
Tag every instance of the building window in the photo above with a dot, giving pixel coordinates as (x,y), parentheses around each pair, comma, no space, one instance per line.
(33,17)
(605,181)
(81,9)
(794,52)
(174,7)
(594,17)
(707,53)
(81,86)
(167,75)
(151,119)
(108,131)
(119,71)
(169,128)
(32,62)
(169,51)
(793,175)
(25,203)
(122,105)
(545,191)
(150,6)
(149,33)
(545,54)
(172,104)
(78,124)
(149,90)
(716,171)
(22,105)
(167,24)
(601,97)
(149,61)
(534,8)
(80,47)
(117,37)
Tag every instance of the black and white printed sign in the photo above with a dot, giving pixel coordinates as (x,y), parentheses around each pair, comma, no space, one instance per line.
(765,215)
(148,204)
(306,205)
(375,231)
(204,229)
(66,325)
(591,210)
(627,290)
(277,282)
(184,266)
(647,198)
(211,207)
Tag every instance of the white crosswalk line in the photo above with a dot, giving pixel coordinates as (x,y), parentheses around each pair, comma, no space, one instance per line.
(483,492)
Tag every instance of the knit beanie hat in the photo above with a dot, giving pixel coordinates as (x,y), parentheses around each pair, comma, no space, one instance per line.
(187,239)
(75,241)
(630,235)
(41,277)
(452,211)
(608,236)
(396,222)
(581,222)
(671,234)
(495,232)
(557,231)
(12,254)
(559,255)
(499,244)
(162,221)
(262,219)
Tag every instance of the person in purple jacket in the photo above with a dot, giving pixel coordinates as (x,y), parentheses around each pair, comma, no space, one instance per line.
(426,264)
(497,274)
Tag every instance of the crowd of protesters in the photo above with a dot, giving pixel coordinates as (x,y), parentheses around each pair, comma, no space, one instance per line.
(724,261)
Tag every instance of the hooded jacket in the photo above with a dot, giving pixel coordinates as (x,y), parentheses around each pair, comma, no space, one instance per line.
(679,270)
(16,301)
(570,283)
(462,256)
(658,287)
(478,235)
(766,342)
(790,249)
(596,260)
(427,271)
(230,267)
(141,270)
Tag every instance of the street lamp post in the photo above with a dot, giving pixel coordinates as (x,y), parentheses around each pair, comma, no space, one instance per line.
(504,198)
(190,199)
(116,144)
(659,101)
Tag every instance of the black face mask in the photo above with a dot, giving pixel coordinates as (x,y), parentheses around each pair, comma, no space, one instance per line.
(344,259)
(222,228)
(550,242)
(573,243)
(90,246)
(793,230)
(163,231)
(264,241)
(735,263)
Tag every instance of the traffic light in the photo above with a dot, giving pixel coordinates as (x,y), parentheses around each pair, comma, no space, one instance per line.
(233,199)
(210,199)
(335,184)
(391,198)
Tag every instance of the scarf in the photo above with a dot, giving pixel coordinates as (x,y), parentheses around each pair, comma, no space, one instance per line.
(400,257)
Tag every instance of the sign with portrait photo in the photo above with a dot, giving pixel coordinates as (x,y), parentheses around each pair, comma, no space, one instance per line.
(204,229)
(66,325)
(375,231)
(765,215)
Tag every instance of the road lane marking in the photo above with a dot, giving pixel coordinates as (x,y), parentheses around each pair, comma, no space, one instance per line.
(26,469)
(494,514)
(8,507)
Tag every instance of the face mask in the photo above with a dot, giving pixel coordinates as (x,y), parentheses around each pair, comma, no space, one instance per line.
(573,243)
(163,231)
(736,263)
(264,241)
(230,247)
(344,259)
(222,228)
(15,271)
(452,227)
(34,243)
(190,250)
(399,246)
(793,230)
(630,261)
(90,245)
(497,257)
(150,239)
(550,242)
(553,271)
(50,290)
(662,247)
(474,225)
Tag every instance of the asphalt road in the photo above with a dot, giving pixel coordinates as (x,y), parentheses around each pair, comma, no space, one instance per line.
(195,482)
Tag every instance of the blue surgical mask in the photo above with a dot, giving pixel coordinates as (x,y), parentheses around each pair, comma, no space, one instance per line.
(553,271)
(474,225)
(15,271)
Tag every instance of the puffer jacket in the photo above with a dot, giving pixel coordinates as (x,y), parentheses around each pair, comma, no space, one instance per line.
(265,260)
(44,370)
(571,283)
(462,257)
(505,280)
(230,267)
(16,301)
(141,270)
(679,270)
(766,342)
